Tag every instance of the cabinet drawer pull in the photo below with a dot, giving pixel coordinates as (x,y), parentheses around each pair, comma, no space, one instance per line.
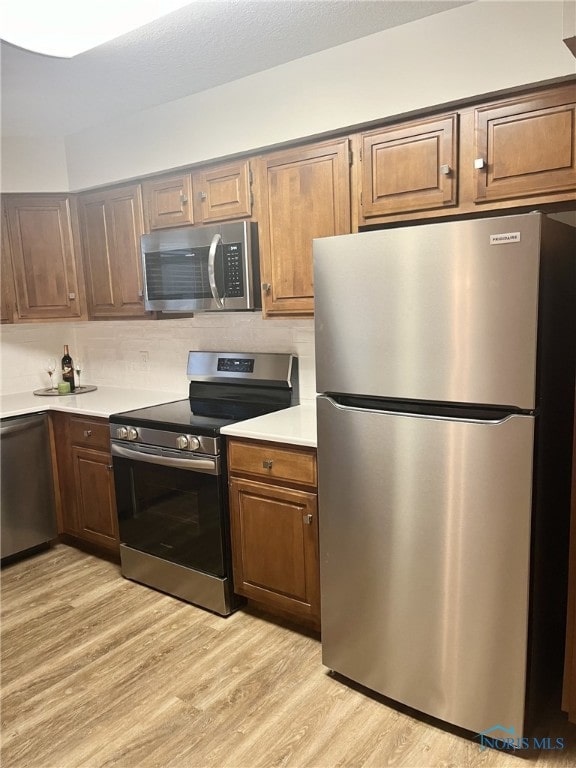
(267,463)
(87,433)
(307,519)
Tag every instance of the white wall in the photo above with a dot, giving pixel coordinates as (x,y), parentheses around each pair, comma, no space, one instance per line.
(468,51)
(110,351)
(33,164)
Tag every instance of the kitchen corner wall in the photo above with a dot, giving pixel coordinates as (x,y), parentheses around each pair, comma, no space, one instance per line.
(113,352)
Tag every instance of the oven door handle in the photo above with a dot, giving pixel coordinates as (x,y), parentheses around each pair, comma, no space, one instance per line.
(209,466)
(211,273)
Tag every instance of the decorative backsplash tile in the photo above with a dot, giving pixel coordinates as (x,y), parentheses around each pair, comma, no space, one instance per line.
(147,354)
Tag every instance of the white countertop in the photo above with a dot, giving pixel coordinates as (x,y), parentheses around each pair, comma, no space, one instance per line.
(296,426)
(102,402)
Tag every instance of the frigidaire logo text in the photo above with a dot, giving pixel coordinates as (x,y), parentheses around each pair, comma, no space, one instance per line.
(490,739)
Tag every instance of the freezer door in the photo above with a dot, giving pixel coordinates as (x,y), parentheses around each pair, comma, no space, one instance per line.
(424,549)
(444,311)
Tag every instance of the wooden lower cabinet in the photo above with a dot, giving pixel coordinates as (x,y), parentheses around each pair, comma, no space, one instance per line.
(85,481)
(274,524)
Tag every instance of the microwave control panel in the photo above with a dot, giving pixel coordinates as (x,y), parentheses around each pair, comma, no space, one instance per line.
(233,270)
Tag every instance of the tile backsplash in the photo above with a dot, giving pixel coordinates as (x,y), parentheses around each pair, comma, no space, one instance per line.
(148,354)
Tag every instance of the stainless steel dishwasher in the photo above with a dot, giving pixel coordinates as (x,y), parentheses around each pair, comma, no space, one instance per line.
(28,516)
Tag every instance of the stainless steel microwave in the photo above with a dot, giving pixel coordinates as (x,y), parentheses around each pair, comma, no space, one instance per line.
(202,269)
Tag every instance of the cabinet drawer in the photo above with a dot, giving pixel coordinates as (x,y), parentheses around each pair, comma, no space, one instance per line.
(90,433)
(267,460)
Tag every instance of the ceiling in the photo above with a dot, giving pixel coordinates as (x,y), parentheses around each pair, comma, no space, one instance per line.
(205,44)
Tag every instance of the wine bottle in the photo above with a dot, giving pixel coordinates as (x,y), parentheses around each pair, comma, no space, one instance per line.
(68,368)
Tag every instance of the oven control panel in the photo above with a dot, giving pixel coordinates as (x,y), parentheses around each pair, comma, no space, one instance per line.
(165,439)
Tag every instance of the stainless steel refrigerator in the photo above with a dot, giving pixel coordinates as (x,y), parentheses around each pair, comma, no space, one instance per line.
(445,362)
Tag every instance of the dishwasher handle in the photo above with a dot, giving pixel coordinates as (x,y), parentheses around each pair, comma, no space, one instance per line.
(20,424)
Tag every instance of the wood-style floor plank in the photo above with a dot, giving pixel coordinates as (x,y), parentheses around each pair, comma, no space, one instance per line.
(100,672)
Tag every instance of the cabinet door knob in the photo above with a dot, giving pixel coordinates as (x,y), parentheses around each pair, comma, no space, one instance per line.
(266,287)
(110,466)
(203,195)
(267,463)
(479,163)
(87,433)
(445,170)
(307,519)
(183,198)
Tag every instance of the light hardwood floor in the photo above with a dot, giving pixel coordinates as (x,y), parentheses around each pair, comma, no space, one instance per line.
(98,671)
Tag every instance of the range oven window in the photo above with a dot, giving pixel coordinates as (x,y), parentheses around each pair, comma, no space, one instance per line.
(171,513)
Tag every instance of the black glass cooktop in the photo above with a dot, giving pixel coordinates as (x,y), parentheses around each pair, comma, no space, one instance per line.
(176,416)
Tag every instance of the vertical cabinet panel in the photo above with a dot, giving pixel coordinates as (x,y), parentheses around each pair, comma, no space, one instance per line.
(305,193)
(168,201)
(43,260)
(275,545)
(95,496)
(526,146)
(6,277)
(111,225)
(223,192)
(410,167)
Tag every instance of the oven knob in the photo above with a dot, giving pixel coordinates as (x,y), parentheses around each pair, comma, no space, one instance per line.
(122,433)
(132,433)
(184,441)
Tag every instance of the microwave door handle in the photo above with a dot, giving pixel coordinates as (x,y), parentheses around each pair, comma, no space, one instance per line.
(211,275)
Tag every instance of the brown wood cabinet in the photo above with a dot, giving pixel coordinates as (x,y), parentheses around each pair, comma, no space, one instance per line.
(301,193)
(526,145)
(410,167)
(111,223)
(6,277)
(87,506)
(222,192)
(213,193)
(43,257)
(274,524)
(513,152)
(168,201)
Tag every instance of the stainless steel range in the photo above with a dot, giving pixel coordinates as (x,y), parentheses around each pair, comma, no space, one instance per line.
(170,474)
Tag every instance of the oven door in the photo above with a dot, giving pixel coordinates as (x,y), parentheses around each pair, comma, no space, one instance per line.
(172,508)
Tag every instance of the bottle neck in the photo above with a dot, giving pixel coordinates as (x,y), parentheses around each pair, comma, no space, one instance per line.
(66,349)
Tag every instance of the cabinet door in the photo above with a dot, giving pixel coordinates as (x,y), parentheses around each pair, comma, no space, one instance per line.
(302,193)
(410,167)
(96,504)
(111,226)
(275,546)
(43,261)
(223,192)
(526,146)
(168,201)
(7,284)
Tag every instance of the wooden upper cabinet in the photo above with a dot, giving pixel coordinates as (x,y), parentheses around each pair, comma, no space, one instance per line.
(43,259)
(6,277)
(168,201)
(111,224)
(410,167)
(301,194)
(222,192)
(526,145)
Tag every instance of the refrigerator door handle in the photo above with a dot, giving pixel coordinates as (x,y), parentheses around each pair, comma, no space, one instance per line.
(417,415)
